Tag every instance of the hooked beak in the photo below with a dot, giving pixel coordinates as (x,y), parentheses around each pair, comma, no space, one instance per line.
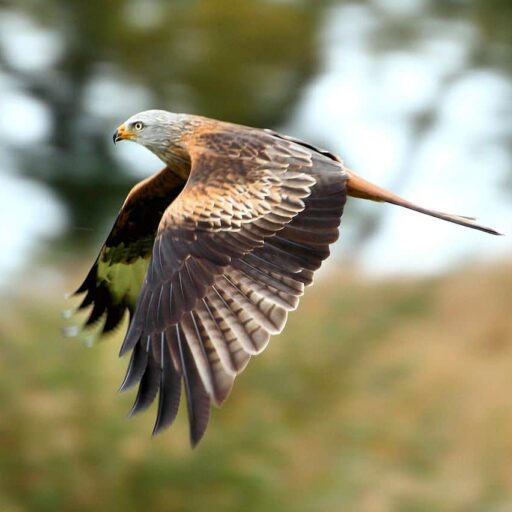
(122,133)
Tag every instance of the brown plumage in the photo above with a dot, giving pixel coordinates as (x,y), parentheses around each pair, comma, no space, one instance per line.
(210,254)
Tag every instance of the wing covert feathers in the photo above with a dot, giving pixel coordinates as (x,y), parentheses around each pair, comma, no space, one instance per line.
(231,258)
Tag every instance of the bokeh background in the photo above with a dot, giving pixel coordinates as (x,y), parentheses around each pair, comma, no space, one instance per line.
(391,389)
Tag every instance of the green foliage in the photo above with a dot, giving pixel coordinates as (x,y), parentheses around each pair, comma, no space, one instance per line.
(366,402)
(231,59)
(238,60)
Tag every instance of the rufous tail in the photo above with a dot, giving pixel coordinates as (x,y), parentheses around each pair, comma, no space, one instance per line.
(359,187)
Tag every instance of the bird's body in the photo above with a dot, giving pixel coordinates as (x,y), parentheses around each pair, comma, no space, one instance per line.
(210,254)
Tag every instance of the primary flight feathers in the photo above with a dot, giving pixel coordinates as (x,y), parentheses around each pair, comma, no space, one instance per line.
(210,254)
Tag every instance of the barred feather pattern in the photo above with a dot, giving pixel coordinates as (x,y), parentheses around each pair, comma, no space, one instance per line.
(210,268)
(210,255)
(243,304)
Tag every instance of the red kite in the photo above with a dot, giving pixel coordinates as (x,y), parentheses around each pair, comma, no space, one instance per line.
(209,254)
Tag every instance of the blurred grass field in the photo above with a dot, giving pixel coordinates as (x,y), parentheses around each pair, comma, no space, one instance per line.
(387,395)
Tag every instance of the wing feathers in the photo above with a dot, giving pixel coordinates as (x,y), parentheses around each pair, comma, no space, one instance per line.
(198,401)
(197,348)
(238,341)
(149,383)
(231,256)
(216,335)
(136,367)
(170,390)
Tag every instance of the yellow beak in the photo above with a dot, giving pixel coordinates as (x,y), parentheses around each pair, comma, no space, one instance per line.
(122,133)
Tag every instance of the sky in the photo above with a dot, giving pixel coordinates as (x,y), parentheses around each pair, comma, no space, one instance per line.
(360,107)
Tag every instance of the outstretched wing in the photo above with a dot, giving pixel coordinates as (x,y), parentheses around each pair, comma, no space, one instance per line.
(114,281)
(231,257)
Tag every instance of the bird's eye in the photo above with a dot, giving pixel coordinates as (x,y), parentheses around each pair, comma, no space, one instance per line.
(138,126)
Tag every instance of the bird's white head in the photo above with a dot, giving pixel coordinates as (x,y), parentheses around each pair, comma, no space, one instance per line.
(157,130)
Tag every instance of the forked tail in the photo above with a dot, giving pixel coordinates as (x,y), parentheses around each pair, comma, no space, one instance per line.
(359,187)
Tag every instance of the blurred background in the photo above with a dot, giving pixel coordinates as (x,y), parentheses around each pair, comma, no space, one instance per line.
(390,391)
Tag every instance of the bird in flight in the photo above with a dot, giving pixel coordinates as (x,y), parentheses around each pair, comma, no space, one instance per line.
(210,254)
